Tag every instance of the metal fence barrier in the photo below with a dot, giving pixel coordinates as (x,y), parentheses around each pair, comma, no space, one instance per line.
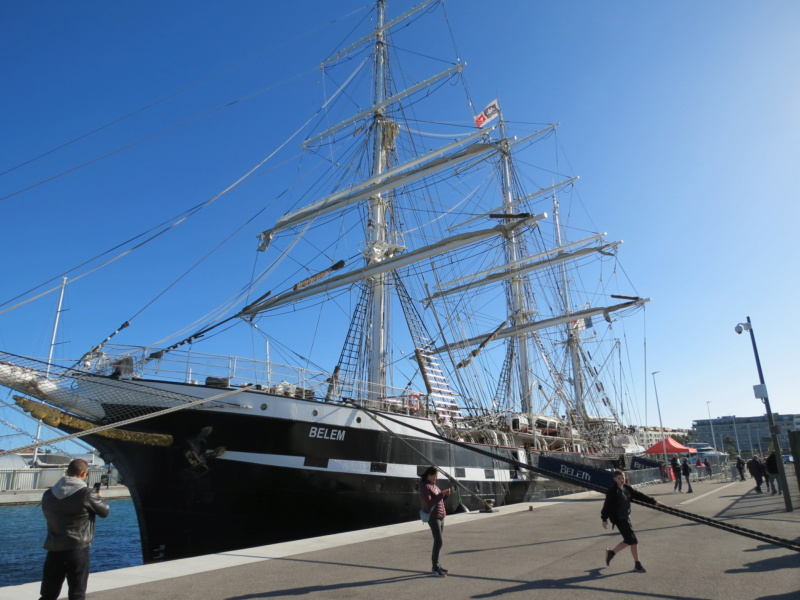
(643,476)
(12,480)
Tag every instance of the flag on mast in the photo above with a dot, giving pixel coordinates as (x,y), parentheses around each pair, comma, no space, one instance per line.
(488,113)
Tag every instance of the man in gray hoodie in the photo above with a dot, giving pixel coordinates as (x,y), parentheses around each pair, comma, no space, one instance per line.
(70,508)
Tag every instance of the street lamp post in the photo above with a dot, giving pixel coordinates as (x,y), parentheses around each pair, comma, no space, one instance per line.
(660,424)
(710,422)
(761,392)
(736,435)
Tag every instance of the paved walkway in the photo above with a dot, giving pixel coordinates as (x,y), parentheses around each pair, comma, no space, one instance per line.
(553,551)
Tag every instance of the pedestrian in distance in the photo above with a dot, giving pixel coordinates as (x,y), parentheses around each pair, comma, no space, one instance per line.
(676,472)
(433,503)
(70,509)
(740,467)
(687,472)
(698,467)
(707,463)
(754,468)
(772,471)
(617,509)
(762,465)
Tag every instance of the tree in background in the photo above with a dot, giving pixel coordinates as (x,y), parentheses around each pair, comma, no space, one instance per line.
(729,445)
(683,438)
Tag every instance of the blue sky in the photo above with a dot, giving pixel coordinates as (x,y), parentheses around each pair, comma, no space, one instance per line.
(682,120)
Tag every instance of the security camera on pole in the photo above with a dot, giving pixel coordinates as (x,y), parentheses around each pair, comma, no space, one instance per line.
(761,392)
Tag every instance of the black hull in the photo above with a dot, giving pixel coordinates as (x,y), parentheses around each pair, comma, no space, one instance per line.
(190,502)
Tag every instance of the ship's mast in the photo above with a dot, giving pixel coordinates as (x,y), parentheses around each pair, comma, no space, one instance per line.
(515,290)
(378,309)
(573,340)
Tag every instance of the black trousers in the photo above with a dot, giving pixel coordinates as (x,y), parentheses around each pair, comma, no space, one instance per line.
(72,565)
(437,529)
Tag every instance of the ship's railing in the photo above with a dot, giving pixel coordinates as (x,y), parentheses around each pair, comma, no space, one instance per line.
(212,370)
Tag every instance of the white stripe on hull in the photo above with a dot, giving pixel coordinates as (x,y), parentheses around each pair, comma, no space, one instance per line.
(359,467)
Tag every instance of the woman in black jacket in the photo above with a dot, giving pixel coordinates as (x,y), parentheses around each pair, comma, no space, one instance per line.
(617,509)
(687,470)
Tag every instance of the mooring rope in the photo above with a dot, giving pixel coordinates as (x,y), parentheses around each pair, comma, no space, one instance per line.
(756,535)
(451,477)
(743,531)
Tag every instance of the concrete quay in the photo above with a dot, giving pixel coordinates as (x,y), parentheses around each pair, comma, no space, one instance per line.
(553,549)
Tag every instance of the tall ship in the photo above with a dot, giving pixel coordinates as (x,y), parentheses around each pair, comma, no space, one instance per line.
(444,310)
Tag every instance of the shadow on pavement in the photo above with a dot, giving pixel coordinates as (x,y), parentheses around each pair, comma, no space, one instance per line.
(311,589)
(787,596)
(770,564)
(576,582)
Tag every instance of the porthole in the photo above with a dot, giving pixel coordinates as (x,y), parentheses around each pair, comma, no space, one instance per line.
(315,412)
(358,419)
(263,407)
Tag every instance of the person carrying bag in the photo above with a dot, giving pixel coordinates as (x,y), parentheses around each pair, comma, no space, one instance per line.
(433,513)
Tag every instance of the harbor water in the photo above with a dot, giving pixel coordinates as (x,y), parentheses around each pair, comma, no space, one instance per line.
(23,530)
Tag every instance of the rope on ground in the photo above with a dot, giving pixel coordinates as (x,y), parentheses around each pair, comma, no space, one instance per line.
(730,528)
(743,531)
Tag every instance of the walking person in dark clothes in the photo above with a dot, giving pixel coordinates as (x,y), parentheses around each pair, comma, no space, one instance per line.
(676,472)
(762,467)
(740,467)
(772,470)
(70,508)
(433,502)
(754,466)
(617,509)
(687,470)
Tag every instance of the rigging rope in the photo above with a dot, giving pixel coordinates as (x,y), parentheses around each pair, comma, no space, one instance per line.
(130,421)
(420,453)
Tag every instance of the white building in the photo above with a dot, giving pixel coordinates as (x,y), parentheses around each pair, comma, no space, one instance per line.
(647,436)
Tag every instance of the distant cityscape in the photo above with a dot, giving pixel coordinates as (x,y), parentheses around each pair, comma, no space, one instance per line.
(744,436)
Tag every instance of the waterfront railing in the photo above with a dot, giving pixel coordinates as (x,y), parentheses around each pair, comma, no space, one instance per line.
(12,480)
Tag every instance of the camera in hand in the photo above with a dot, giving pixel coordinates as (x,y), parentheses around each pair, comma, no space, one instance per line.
(97,486)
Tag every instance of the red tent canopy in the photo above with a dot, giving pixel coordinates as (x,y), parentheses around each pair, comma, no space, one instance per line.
(673,447)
